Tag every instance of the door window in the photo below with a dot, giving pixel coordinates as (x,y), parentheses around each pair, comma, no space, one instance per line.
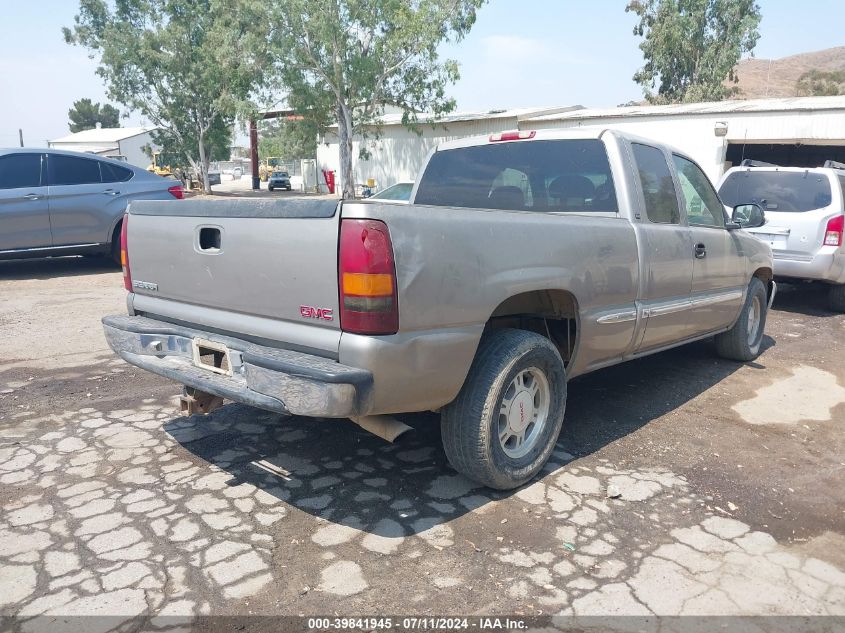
(70,170)
(661,200)
(704,208)
(20,170)
(114,173)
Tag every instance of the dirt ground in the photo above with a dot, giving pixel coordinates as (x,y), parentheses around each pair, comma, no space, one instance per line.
(728,486)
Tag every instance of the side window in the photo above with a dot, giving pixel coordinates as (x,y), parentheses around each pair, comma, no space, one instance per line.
(842,185)
(20,170)
(704,208)
(661,201)
(70,170)
(114,173)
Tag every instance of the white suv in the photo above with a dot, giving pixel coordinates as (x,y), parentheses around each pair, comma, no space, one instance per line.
(805,218)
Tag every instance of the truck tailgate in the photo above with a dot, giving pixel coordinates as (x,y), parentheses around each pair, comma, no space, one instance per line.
(264,268)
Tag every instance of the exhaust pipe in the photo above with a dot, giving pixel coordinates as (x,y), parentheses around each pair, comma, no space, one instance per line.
(385,426)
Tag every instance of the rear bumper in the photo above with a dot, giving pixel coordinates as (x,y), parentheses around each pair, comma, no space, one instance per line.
(269,378)
(822,266)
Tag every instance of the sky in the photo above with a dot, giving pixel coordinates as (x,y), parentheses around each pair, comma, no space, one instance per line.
(520,53)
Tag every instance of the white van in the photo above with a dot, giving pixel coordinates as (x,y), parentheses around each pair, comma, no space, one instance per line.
(805,218)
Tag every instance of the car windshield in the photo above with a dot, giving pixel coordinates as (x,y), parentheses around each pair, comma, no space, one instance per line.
(399,191)
(786,191)
(280,174)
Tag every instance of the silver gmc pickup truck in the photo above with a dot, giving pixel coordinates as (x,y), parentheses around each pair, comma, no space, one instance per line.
(522,260)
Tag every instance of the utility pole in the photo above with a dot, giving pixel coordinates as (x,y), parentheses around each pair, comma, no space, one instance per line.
(20,134)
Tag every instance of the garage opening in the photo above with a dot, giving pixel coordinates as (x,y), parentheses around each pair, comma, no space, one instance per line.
(785,154)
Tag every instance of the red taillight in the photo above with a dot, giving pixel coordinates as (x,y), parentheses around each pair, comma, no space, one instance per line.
(176,191)
(513,136)
(367,278)
(833,232)
(124,254)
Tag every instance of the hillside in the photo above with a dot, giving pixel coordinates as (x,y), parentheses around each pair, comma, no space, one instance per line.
(760,78)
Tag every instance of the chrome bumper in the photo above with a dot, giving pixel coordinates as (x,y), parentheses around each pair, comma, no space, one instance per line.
(274,379)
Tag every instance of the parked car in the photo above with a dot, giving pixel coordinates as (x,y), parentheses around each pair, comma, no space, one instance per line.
(56,202)
(279,180)
(524,259)
(400,192)
(805,213)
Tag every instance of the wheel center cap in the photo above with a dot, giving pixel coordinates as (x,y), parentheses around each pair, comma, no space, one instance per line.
(521,412)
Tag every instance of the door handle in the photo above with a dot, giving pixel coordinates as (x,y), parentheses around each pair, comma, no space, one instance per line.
(700,251)
(111,192)
(32,196)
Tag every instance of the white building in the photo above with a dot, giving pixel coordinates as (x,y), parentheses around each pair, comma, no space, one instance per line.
(399,153)
(123,143)
(801,131)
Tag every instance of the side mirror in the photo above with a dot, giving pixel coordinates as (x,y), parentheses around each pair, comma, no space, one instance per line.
(747,216)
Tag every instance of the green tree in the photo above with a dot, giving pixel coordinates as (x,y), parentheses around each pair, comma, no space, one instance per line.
(818,83)
(345,60)
(218,141)
(691,47)
(289,138)
(84,115)
(186,65)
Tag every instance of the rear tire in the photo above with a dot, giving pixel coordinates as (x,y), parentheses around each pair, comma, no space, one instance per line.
(269,188)
(115,244)
(743,341)
(515,390)
(836,298)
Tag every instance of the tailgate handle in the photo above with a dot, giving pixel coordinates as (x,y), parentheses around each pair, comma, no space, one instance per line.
(209,239)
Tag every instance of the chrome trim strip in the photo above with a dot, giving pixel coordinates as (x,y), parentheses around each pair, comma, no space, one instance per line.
(720,298)
(668,308)
(47,248)
(618,317)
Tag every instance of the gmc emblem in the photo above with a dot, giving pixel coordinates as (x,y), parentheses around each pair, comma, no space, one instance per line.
(310,312)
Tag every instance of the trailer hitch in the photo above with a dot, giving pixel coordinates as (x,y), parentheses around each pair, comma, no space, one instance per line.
(194,401)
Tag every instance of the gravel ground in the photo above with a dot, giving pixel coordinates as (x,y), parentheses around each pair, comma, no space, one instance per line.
(726,483)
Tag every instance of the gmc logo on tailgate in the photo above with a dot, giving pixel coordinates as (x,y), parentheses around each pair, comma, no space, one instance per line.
(310,312)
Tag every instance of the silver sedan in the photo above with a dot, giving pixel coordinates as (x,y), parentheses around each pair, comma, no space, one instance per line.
(56,202)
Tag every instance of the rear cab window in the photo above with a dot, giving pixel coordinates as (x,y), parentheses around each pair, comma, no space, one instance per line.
(545,176)
(779,191)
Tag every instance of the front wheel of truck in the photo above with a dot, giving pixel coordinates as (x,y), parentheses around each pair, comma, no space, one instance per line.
(503,426)
(742,342)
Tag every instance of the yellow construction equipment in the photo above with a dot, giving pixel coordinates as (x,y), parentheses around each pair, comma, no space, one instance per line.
(158,166)
(268,166)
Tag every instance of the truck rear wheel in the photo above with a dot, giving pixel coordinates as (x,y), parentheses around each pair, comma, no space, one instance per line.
(742,342)
(836,298)
(503,426)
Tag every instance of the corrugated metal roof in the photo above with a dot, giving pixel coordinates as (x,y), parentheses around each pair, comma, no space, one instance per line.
(792,104)
(395,118)
(103,136)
